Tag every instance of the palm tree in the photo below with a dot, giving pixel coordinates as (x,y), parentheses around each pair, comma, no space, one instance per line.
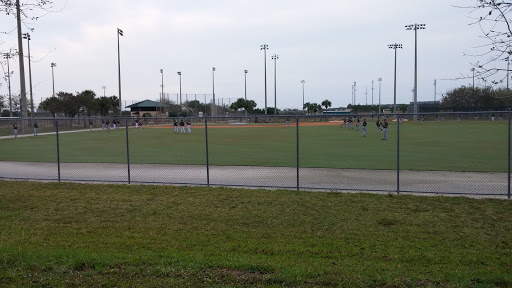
(326,104)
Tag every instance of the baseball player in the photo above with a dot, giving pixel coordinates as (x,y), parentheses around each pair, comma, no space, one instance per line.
(364,128)
(175,126)
(136,123)
(188,126)
(90,125)
(15,128)
(287,121)
(358,125)
(378,123)
(385,129)
(35,128)
(182,126)
(458,118)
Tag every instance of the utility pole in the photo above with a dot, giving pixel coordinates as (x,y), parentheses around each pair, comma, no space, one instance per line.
(372,92)
(23,110)
(8,56)
(27,36)
(395,47)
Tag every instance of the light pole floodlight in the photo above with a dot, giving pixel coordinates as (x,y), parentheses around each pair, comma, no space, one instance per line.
(415,27)
(246,71)
(53,64)
(179,73)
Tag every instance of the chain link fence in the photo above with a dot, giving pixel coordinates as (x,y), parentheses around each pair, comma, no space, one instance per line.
(439,153)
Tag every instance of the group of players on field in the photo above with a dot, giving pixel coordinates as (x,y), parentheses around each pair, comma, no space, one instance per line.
(381,126)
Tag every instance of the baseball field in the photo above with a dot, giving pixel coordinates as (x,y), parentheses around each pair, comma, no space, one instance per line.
(430,146)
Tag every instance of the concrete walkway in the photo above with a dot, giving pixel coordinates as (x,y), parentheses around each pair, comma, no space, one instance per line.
(435,182)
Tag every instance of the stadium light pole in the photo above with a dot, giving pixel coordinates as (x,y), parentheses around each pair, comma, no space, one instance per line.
(245,81)
(8,56)
(119,33)
(303,82)
(473,70)
(27,36)
(275,57)
(264,47)
(162,95)
(508,69)
(415,27)
(179,74)
(214,108)
(53,65)
(380,85)
(395,47)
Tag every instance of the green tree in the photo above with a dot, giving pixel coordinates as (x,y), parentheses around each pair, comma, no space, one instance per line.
(52,105)
(326,104)
(86,101)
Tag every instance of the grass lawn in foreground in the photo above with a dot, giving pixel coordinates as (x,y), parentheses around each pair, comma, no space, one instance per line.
(78,235)
(445,146)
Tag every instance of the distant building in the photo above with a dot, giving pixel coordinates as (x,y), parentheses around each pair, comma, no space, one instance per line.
(147,107)
(425,107)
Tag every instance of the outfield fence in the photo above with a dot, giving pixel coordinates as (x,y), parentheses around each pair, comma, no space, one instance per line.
(435,153)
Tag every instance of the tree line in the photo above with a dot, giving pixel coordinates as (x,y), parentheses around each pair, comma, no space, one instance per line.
(82,103)
(479,98)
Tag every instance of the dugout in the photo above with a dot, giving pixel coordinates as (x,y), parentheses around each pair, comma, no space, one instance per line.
(147,107)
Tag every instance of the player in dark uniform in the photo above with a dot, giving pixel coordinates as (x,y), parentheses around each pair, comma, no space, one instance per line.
(287,121)
(15,128)
(35,128)
(385,129)
(107,125)
(182,126)
(364,128)
(175,126)
(188,126)
(358,125)
(378,123)
(90,125)
(350,123)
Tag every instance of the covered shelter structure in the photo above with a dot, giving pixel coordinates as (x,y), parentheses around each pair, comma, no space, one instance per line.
(147,107)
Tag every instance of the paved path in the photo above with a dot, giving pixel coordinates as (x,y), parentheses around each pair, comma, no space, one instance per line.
(442,182)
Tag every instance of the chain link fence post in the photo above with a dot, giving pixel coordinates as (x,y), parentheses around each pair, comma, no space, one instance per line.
(298,179)
(58,147)
(398,154)
(508,178)
(207,159)
(128,152)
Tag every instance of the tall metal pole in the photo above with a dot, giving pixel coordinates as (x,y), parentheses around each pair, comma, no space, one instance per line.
(366,93)
(7,56)
(245,74)
(372,92)
(473,70)
(395,47)
(179,74)
(435,89)
(415,27)
(303,82)
(119,33)
(24,122)
(53,78)
(508,70)
(214,108)
(275,57)
(355,93)
(104,90)
(264,47)
(27,36)
(162,96)
(380,85)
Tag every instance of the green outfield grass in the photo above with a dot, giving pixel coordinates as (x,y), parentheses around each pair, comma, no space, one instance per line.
(445,146)
(77,235)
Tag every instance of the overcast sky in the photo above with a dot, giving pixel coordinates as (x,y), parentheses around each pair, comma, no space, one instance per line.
(328,43)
